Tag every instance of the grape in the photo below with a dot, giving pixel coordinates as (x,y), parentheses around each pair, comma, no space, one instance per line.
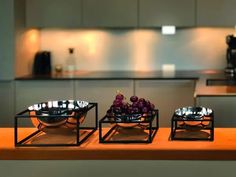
(152,106)
(141,105)
(148,103)
(145,109)
(109,112)
(141,100)
(117,103)
(117,110)
(133,99)
(119,96)
(130,110)
(138,106)
(125,107)
(135,104)
(135,110)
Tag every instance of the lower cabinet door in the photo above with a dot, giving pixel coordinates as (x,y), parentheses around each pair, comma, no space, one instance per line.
(7,103)
(167,95)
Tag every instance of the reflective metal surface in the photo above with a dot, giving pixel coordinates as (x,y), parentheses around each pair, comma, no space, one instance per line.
(56,113)
(193,113)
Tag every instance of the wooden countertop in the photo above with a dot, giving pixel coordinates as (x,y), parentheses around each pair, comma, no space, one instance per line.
(222,148)
(202,89)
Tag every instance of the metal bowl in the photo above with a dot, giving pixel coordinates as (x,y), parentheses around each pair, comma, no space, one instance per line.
(127,120)
(196,114)
(58,113)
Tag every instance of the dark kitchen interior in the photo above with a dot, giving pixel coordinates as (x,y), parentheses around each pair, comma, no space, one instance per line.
(117,87)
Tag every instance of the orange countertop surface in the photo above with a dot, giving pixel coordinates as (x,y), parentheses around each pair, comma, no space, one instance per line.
(202,89)
(222,148)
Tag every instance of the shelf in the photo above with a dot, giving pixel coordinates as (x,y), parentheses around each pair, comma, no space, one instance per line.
(222,148)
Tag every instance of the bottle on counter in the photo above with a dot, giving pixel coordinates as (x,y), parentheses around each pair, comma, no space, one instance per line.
(71,61)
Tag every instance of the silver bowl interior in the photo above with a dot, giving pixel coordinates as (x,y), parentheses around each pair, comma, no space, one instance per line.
(193,113)
(128,118)
(55,113)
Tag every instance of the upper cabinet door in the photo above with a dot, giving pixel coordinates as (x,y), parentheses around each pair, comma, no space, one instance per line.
(53,13)
(110,13)
(156,13)
(7,34)
(218,13)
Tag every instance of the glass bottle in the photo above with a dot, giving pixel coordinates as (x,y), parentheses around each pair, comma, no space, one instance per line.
(71,61)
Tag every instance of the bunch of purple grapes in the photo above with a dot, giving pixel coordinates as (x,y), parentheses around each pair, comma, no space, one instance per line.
(120,106)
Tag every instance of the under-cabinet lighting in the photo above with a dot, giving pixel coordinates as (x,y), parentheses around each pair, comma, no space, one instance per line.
(168,30)
(168,70)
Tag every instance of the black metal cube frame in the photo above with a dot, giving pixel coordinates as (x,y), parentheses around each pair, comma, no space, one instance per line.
(25,115)
(152,130)
(174,127)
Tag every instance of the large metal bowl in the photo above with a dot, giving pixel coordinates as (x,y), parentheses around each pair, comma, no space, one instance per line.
(58,113)
(193,115)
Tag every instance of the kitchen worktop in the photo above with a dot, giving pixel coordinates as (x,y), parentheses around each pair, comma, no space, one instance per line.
(116,75)
(201,89)
(222,148)
(200,76)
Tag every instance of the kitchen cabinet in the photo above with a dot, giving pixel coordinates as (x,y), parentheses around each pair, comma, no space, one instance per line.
(7,103)
(56,13)
(216,13)
(224,109)
(7,40)
(36,91)
(166,95)
(110,13)
(102,92)
(156,13)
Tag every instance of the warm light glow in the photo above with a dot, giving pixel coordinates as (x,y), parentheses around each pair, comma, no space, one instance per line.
(30,38)
(209,72)
(203,40)
(28,43)
(143,46)
(141,49)
(32,35)
(91,41)
(168,30)
(91,47)
(235,30)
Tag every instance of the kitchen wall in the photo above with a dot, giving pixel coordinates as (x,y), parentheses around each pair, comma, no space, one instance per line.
(141,49)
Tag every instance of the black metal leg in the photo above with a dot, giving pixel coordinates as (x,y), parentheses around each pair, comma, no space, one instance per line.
(202,127)
(79,140)
(150,129)
(16,131)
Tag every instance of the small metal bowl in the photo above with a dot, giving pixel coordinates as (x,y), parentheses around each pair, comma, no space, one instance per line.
(128,120)
(196,114)
(58,113)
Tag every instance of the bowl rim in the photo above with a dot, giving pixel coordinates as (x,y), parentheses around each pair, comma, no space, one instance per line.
(193,112)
